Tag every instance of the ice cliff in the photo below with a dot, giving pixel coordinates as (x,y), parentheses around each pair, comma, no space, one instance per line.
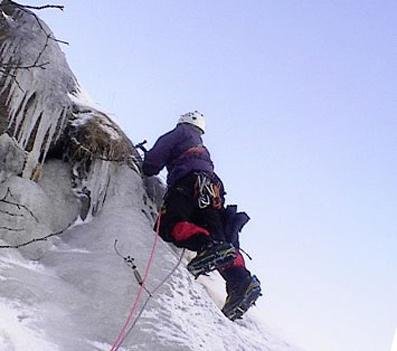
(67,172)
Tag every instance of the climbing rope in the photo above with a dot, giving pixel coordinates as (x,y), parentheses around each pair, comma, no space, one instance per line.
(154,292)
(130,263)
(131,320)
(122,335)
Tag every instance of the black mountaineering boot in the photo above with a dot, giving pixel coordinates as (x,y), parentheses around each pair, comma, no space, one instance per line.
(240,298)
(214,256)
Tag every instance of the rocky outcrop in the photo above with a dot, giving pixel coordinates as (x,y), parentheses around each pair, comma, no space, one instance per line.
(44,113)
(35,84)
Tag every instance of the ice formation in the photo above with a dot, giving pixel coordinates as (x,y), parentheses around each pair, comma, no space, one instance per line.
(46,113)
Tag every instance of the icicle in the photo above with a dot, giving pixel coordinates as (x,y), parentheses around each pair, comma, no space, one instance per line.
(35,93)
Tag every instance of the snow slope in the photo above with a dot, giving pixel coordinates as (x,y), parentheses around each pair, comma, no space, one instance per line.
(77,294)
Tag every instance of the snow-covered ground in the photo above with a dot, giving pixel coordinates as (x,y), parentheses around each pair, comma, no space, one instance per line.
(77,293)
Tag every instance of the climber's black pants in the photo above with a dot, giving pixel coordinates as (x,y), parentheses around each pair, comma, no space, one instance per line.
(183,222)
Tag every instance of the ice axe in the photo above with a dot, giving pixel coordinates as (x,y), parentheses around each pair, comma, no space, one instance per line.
(141,146)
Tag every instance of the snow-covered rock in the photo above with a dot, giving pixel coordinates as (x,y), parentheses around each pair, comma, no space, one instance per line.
(35,99)
(12,157)
(47,114)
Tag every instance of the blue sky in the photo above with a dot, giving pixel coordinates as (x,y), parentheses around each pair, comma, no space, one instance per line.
(301,103)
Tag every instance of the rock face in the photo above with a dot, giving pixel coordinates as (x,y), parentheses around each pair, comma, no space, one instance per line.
(70,175)
(43,112)
(34,85)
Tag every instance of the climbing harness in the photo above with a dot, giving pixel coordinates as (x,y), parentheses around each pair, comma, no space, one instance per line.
(131,320)
(208,192)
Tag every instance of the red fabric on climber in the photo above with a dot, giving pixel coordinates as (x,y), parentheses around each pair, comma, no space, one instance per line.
(186,230)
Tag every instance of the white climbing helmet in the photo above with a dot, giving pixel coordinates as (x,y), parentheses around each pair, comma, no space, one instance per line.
(196,118)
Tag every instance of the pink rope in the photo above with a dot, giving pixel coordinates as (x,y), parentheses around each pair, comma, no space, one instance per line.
(122,335)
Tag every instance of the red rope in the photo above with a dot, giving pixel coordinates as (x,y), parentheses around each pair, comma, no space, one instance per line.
(123,334)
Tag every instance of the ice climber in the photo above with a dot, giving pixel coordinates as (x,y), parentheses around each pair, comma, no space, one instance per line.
(193,214)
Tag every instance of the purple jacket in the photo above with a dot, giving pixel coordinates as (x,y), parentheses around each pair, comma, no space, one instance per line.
(181,150)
